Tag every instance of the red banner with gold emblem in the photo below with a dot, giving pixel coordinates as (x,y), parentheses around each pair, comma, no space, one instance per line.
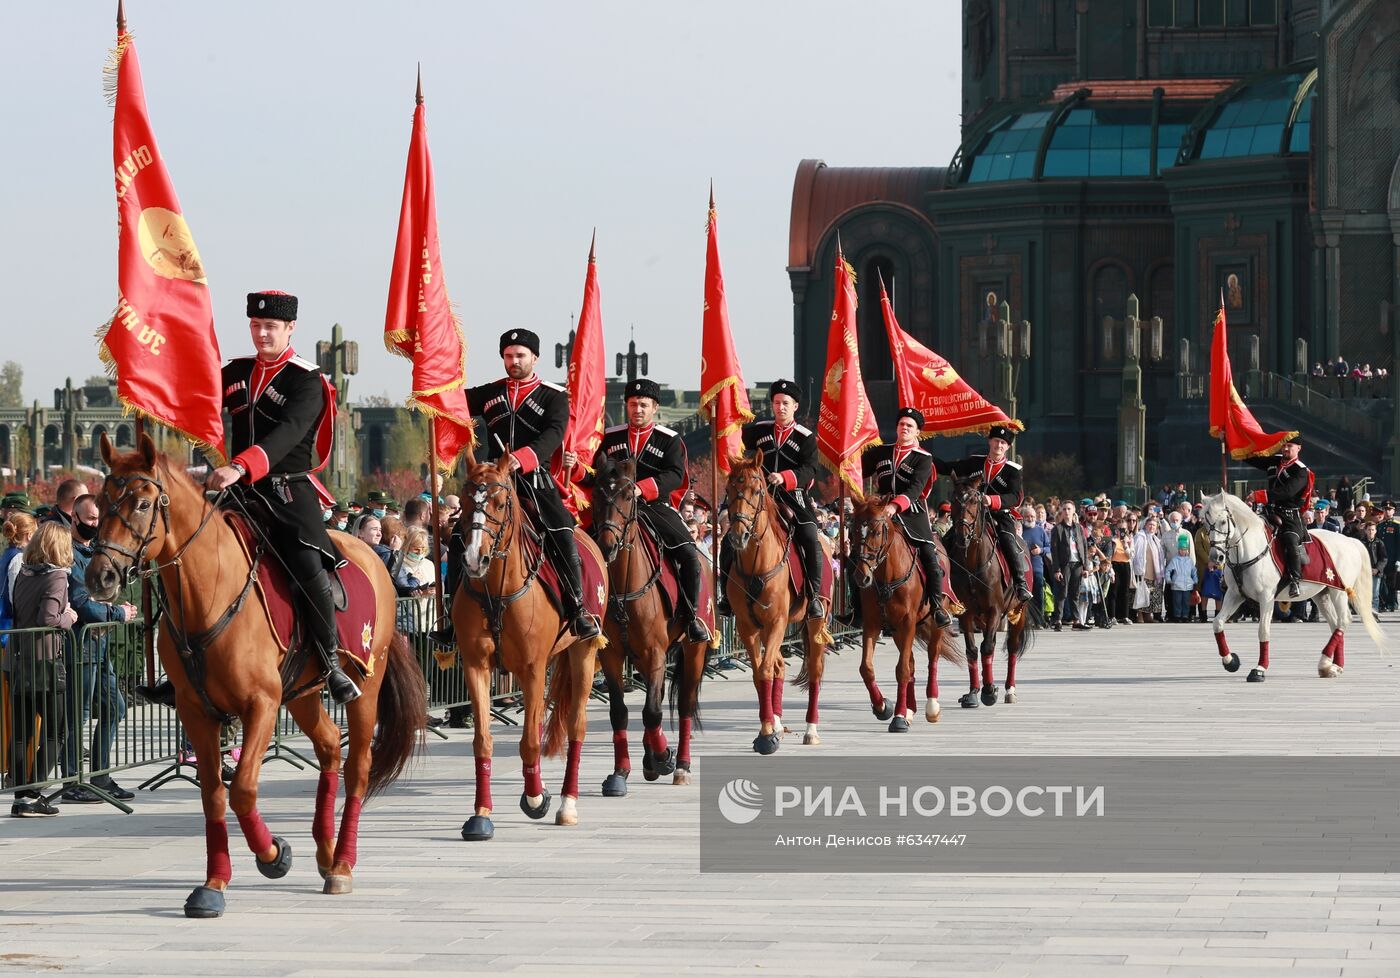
(1229,418)
(160,343)
(846,426)
(928,383)
(419,323)
(588,387)
(722,392)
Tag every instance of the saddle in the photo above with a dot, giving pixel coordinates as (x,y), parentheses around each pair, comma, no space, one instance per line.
(593,574)
(356,604)
(1319,568)
(950,600)
(797,577)
(1004,569)
(670,584)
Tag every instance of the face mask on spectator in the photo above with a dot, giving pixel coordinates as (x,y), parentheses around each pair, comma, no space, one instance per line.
(340,525)
(379,513)
(86,532)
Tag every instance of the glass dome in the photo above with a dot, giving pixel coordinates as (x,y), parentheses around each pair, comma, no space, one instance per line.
(1263,118)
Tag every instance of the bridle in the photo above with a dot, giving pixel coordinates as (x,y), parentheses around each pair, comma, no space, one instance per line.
(494,528)
(127,486)
(620,486)
(1232,542)
(759,502)
(874,558)
(754,583)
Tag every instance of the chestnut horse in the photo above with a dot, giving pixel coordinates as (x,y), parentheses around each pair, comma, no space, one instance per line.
(226,664)
(761,594)
(637,628)
(986,598)
(884,566)
(501,608)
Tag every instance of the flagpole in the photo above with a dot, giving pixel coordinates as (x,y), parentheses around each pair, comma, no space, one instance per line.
(437,523)
(842,551)
(714,496)
(148,638)
(1223,459)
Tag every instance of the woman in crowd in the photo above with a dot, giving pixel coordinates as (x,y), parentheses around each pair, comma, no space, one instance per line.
(414,578)
(17,530)
(1148,567)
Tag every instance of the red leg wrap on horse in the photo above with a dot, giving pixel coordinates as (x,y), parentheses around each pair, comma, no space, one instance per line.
(1263,655)
(765,701)
(1221,645)
(255,831)
(571,769)
(777,697)
(931,689)
(877,698)
(1338,649)
(683,751)
(534,784)
(323,828)
(483,783)
(987,678)
(655,740)
(972,672)
(911,697)
(622,761)
(814,689)
(901,701)
(216,862)
(1011,670)
(346,846)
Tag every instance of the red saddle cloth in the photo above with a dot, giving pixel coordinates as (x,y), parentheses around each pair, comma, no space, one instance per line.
(356,607)
(799,578)
(1319,569)
(593,574)
(1005,567)
(670,585)
(950,600)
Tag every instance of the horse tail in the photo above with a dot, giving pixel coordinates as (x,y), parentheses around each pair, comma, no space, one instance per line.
(818,640)
(680,677)
(403,715)
(1360,594)
(564,694)
(948,647)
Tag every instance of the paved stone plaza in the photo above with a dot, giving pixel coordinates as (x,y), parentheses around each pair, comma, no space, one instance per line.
(93,891)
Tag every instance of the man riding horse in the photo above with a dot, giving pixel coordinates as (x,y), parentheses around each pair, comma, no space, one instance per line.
(1002,495)
(282,413)
(907,473)
(1289,484)
(661,480)
(790,462)
(526,417)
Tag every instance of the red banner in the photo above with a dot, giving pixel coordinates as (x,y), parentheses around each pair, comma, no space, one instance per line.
(160,343)
(419,323)
(722,391)
(1229,418)
(846,425)
(928,383)
(588,387)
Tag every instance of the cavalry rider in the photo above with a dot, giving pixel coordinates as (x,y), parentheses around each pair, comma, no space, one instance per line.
(906,472)
(528,417)
(1002,495)
(790,461)
(282,414)
(1289,484)
(661,482)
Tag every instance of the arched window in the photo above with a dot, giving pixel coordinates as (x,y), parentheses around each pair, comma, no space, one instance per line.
(875,361)
(1108,297)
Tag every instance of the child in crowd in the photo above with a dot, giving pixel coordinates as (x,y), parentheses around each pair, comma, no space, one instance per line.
(1181,581)
(1212,589)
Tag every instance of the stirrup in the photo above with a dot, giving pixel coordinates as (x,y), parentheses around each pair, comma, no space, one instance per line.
(697,630)
(816,607)
(584,625)
(341,687)
(161,694)
(445,635)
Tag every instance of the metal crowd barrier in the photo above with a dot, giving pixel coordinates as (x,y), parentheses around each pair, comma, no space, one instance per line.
(69,713)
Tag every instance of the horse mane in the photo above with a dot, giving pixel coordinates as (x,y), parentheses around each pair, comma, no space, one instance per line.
(870,507)
(127,463)
(1236,506)
(743,465)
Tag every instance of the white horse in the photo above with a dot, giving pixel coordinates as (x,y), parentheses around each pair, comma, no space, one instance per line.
(1239,543)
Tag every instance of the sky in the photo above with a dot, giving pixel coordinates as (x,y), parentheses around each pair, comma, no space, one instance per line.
(285,129)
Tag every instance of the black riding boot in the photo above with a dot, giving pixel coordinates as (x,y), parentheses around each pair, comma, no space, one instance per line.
(321,631)
(726,560)
(1294,556)
(161,694)
(687,560)
(933,590)
(1016,559)
(581,623)
(445,634)
(810,547)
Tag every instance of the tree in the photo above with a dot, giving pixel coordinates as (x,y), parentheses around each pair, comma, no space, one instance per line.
(408,442)
(11,385)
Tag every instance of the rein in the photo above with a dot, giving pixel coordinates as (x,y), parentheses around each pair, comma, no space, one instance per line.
(754,582)
(627,533)
(1234,540)
(498,530)
(884,590)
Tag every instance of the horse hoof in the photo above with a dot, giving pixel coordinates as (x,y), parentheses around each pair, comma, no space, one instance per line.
(899,725)
(536,813)
(1231,663)
(205,902)
(968,701)
(336,885)
(682,776)
(1010,696)
(1327,669)
(1255,676)
(478,828)
(324,871)
(766,744)
(280,866)
(568,812)
(884,711)
(655,765)
(932,711)
(989,696)
(615,785)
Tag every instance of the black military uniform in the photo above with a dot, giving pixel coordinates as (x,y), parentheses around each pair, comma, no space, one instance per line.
(662,477)
(529,418)
(1001,484)
(1288,486)
(908,474)
(792,453)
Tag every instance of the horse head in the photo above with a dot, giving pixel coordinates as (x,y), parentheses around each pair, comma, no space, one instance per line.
(614,506)
(489,514)
(747,495)
(134,519)
(1226,519)
(873,530)
(967,498)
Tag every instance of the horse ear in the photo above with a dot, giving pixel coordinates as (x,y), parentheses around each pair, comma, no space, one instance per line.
(758,459)
(104,448)
(503,464)
(148,451)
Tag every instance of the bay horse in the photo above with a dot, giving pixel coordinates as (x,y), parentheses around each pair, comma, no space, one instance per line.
(986,598)
(764,602)
(637,628)
(511,617)
(884,567)
(153,511)
(1240,543)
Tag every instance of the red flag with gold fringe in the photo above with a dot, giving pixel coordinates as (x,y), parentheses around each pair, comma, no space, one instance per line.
(419,323)
(722,391)
(160,343)
(846,426)
(1230,420)
(588,387)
